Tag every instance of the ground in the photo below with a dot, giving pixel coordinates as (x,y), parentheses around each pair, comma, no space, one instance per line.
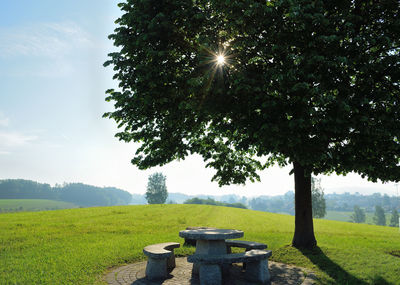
(281,274)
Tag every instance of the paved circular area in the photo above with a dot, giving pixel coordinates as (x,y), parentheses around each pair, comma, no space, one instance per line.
(134,274)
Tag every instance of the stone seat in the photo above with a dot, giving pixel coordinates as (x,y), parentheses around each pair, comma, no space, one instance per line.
(210,266)
(247,245)
(161,259)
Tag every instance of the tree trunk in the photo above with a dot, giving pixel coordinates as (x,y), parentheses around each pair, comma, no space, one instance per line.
(304,229)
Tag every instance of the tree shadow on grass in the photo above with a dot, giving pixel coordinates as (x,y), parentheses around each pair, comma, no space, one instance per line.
(335,271)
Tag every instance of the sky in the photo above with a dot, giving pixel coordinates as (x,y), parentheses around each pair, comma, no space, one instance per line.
(52,91)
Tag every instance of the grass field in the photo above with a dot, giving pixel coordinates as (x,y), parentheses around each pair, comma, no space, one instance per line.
(77,246)
(345,217)
(17,205)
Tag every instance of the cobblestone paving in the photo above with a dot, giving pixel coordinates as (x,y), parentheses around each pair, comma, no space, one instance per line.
(134,274)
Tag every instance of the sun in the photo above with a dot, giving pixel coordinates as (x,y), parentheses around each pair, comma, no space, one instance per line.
(220,59)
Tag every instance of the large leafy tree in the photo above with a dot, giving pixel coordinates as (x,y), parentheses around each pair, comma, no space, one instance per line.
(312,83)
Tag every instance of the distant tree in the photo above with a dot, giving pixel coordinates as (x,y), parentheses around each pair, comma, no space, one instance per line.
(386,201)
(235,205)
(258,204)
(274,204)
(358,216)
(195,200)
(318,200)
(379,217)
(394,220)
(210,201)
(156,189)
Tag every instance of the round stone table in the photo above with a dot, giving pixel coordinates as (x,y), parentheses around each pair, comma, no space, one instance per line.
(210,241)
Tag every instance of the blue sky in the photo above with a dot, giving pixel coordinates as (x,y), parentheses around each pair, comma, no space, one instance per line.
(52,86)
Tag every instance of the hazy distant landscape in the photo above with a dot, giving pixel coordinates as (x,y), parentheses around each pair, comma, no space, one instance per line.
(25,195)
(68,195)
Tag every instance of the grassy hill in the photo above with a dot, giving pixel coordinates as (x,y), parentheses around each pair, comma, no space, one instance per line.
(76,246)
(17,205)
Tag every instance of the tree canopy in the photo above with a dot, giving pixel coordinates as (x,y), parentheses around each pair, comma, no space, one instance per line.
(309,82)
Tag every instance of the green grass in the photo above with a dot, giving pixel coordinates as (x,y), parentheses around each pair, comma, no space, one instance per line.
(77,246)
(17,205)
(346,217)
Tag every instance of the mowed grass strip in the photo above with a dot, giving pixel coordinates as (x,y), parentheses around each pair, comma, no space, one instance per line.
(77,246)
(14,205)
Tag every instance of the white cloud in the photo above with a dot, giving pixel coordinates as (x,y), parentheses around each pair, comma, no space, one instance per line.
(12,139)
(4,121)
(42,40)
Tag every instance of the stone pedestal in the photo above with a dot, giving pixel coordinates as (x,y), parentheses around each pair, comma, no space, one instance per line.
(171,262)
(210,247)
(258,272)
(210,274)
(156,269)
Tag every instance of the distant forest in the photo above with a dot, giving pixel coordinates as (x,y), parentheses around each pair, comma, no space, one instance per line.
(285,203)
(334,202)
(77,193)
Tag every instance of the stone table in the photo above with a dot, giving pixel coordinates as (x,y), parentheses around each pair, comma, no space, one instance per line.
(210,241)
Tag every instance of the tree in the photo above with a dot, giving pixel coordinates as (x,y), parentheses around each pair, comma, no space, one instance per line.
(386,201)
(156,189)
(210,201)
(379,217)
(308,83)
(318,200)
(394,220)
(358,216)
